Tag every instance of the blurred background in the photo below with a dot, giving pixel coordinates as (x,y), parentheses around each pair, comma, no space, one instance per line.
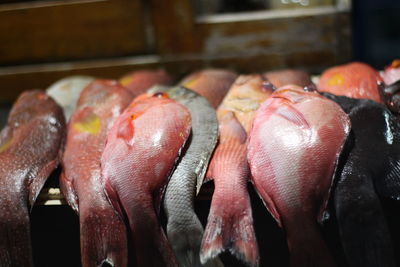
(42,41)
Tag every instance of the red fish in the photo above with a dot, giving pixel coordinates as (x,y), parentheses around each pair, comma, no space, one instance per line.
(142,148)
(293,149)
(139,81)
(284,77)
(30,149)
(102,230)
(356,80)
(230,221)
(213,84)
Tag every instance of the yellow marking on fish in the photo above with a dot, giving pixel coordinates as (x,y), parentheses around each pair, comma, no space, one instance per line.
(336,79)
(127,80)
(191,82)
(90,124)
(6,145)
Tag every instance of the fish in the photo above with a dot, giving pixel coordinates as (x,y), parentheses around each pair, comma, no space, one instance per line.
(103,234)
(391,73)
(141,151)
(391,96)
(230,221)
(293,150)
(370,171)
(31,146)
(356,80)
(137,82)
(66,92)
(213,84)
(184,229)
(284,77)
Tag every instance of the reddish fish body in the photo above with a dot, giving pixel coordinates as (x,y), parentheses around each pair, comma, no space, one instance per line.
(284,77)
(30,149)
(103,233)
(213,84)
(141,151)
(356,80)
(139,81)
(293,150)
(230,222)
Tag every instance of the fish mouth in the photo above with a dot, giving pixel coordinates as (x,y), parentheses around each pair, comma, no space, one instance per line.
(106,263)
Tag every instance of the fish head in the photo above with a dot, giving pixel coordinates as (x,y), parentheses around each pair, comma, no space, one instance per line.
(294,93)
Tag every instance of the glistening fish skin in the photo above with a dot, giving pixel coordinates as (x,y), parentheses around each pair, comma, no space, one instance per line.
(230,221)
(371,169)
(30,149)
(141,151)
(294,146)
(102,231)
(184,229)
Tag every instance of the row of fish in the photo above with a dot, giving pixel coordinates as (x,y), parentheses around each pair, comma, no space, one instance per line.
(129,151)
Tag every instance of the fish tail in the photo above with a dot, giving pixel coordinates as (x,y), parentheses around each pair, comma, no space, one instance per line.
(15,241)
(230,227)
(307,247)
(185,237)
(103,237)
(151,244)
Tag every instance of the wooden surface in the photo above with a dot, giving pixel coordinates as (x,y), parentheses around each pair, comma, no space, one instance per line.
(39,31)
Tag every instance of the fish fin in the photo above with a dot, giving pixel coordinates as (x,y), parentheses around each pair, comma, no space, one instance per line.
(291,114)
(113,198)
(67,189)
(362,224)
(15,241)
(103,236)
(230,228)
(36,183)
(185,240)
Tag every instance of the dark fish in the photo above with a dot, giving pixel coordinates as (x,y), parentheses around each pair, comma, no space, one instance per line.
(371,169)
(30,149)
(102,230)
(141,151)
(184,229)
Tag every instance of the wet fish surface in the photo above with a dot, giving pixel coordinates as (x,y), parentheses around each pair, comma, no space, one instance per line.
(293,149)
(103,232)
(230,221)
(370,171)
(31,146)
(184,229)
(141,151)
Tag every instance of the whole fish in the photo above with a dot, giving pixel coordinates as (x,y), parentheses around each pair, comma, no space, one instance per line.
(357,80)
(371,169)
(141,151)
(213,84)
(66,92)
(102,231)
(293,150)
(139,81)
(284,77)
(184,228)
(230,221)
(30,149)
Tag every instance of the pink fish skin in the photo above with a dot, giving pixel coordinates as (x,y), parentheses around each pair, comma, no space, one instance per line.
(103,233)
(213,84)
(230,221)
(293,149)
(141,151)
